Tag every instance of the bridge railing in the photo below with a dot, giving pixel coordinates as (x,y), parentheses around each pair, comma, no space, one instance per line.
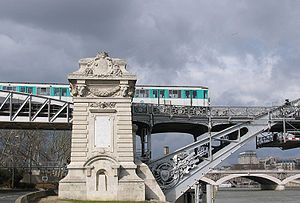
(200,111)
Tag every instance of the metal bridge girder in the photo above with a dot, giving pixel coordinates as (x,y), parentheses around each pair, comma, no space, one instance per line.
(22,107)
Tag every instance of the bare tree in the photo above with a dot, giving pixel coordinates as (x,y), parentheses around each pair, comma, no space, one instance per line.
(25,148)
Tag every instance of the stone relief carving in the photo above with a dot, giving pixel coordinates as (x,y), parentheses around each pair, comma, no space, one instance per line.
(101,66)
(106,68)
(80,90)
(96,92)
(103,105)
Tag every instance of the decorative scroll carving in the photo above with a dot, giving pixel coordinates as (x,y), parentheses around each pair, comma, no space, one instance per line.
(103,105)
(101,66)
(168,174)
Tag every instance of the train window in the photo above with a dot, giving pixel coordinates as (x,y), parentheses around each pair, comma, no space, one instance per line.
(22,89)
(56,92)
(194,94)
(142,93)
(10,88)
(30,90)
(205,94)
(64,92)
(43,91)
(162,93)
(174,93)
(155,95)
(137,93)
(187,94)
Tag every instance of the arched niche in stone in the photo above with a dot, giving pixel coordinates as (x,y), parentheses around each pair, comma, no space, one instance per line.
(101,180)
(102,176)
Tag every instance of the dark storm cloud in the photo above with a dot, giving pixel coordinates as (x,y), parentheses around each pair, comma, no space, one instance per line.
(71,16)
(241,50)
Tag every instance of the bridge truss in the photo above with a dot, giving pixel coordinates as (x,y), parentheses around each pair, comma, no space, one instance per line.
(28,111)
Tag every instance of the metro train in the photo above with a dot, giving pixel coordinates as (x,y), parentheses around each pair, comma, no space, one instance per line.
(171,95)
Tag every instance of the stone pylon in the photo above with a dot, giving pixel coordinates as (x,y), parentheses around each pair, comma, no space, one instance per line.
(102,153)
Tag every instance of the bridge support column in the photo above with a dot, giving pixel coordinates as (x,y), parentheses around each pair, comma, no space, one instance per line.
(146,143)
(149,144)
(102,153)
(210,193)
(280,187)
(197,192)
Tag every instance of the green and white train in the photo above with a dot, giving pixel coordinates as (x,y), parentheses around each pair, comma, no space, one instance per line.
(171,95)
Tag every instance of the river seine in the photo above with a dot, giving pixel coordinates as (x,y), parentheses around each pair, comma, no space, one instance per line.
(269,196)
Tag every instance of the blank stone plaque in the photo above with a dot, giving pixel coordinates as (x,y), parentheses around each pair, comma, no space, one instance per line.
(102,131)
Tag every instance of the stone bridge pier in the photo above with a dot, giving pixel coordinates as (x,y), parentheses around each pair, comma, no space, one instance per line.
(103,165)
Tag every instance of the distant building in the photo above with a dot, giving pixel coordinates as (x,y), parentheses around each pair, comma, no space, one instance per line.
(269,163)
(287,164)
(248,157)
(276,163)
(248,161)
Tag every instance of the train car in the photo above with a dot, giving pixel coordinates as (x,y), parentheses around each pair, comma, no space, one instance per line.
(53,90)
(171,95)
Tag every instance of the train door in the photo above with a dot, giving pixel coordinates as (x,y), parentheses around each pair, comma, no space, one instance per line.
(159,96)
(188,99)
(27,89)
(191,98)
(60,92)
(162,96)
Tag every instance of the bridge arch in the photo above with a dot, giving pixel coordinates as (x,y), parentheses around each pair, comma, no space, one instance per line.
(291,178)
(260,176)
(207,180)
(93,159)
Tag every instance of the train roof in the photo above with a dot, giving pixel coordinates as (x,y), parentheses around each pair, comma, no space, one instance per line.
(145,86)
(169,86)
(39,83)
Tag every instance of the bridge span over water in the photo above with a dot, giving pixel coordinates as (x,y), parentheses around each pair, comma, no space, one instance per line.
(268,179)
(218,132)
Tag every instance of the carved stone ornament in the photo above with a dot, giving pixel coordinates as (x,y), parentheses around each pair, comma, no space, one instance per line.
(103,105)
(101,66)
(78,90)
(96,92)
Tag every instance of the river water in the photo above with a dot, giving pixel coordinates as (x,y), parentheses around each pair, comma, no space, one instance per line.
(268,196)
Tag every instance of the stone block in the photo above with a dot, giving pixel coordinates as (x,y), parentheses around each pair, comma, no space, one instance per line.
(79,118)
(79,127)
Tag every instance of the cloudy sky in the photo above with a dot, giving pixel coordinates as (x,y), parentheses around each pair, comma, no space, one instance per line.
(247,52)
